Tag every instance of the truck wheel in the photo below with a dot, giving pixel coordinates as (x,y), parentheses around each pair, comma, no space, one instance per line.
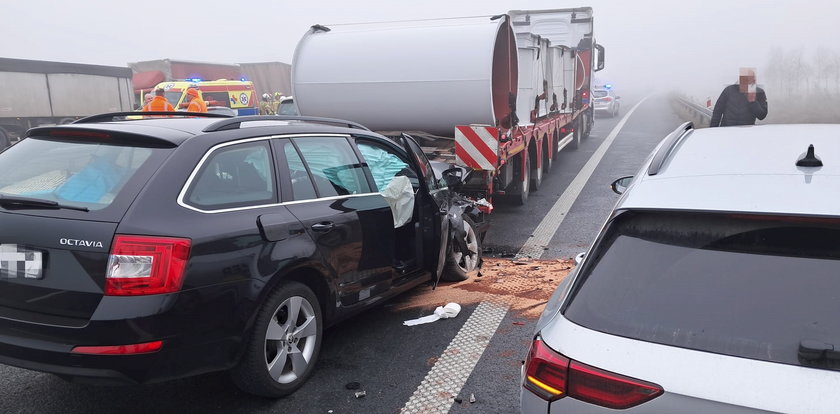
(548,156)
(4,139)
(525,184)
(283,344)
(576,135)
(536,174)
(459,264)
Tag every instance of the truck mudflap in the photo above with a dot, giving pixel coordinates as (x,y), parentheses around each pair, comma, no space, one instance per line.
(477,147)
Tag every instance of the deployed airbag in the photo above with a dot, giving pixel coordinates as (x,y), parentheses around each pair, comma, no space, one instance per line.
(400,197)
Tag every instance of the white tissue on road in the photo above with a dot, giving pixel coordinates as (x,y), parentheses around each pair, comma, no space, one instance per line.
(451,310)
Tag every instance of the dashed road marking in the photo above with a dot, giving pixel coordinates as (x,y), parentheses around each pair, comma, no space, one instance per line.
(535,246)
(444,381)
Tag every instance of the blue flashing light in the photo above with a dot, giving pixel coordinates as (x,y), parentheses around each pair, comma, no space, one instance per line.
(195,79)
(608,86)
(242,79)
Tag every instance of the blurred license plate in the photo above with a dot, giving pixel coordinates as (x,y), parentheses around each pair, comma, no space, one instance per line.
(19,262)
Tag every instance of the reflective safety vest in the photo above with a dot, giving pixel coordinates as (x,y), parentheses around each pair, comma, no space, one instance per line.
(158,103)
(197,105)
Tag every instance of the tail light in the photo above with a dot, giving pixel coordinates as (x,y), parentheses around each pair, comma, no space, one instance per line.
(143,265)
(607,99)
(552,376)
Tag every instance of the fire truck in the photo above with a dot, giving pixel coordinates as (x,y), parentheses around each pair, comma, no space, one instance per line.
(501,94)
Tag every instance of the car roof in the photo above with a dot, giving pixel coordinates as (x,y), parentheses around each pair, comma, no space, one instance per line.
(744,169)
(177,130)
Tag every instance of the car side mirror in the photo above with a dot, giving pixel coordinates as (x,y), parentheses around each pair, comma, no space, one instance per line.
(453,177)
(620,185)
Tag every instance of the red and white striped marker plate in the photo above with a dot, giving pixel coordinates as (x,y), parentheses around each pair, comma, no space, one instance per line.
(477,146)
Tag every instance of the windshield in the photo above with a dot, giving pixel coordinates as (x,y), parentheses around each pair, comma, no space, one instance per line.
(599,93)
(79,174)
(748,287)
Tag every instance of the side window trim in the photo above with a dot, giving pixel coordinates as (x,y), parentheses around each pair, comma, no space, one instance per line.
(182,195)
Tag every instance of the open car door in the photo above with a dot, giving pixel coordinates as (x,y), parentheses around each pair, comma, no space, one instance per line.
(432,205)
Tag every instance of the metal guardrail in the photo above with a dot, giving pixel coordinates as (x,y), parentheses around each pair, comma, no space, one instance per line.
(699,114)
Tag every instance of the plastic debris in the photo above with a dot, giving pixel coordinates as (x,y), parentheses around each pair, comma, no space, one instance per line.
(360,394)
(472,398)
(451,310)
(353,385)
(458,400)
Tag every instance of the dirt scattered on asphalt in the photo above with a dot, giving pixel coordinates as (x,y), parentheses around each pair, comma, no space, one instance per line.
(525,285)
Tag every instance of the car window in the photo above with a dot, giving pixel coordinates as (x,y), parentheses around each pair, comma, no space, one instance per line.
(77,173)
(333,165)
(234,176)
(426,169)
(216,98)
(385,164)
(599,93)
(752,287)
(301,184)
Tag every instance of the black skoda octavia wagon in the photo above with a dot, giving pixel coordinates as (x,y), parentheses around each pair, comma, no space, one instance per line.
(136,251)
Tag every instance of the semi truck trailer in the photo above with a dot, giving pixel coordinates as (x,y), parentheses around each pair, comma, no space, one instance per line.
(34,93)
(505,93)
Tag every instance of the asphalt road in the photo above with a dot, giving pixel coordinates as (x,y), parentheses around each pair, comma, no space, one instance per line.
(387,359)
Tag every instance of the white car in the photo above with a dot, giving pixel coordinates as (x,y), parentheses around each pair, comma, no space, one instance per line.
(714,286)
(606,102)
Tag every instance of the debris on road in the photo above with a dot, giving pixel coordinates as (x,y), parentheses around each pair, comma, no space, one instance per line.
(360,394)
(353,385)
(525,288)
(472,398)
(458,400)
(451,310)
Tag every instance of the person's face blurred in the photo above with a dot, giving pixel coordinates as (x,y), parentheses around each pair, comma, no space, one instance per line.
(744,82)
(148,98)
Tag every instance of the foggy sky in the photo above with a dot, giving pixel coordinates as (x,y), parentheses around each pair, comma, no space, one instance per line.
(696,47)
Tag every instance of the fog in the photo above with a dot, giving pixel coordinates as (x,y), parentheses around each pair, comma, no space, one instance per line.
(693,47)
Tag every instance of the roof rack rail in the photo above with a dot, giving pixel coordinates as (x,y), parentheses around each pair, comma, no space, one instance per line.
(668,146)
(234,123)
(108,117)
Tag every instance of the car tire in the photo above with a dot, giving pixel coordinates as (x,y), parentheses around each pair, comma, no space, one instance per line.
(276,338)
(576,135)
(459,264)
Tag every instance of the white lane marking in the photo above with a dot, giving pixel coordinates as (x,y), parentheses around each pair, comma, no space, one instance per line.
(534,247)
(444,381)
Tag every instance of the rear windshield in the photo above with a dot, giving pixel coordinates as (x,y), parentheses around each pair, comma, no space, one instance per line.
(746,286)
(599,94)
(79,174)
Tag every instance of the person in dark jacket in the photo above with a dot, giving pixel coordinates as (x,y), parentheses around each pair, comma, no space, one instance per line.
(741,103)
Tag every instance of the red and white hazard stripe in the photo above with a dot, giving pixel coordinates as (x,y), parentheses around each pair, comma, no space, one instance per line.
(477,146)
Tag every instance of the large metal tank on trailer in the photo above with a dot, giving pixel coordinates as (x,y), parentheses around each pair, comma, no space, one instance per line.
(418,75)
